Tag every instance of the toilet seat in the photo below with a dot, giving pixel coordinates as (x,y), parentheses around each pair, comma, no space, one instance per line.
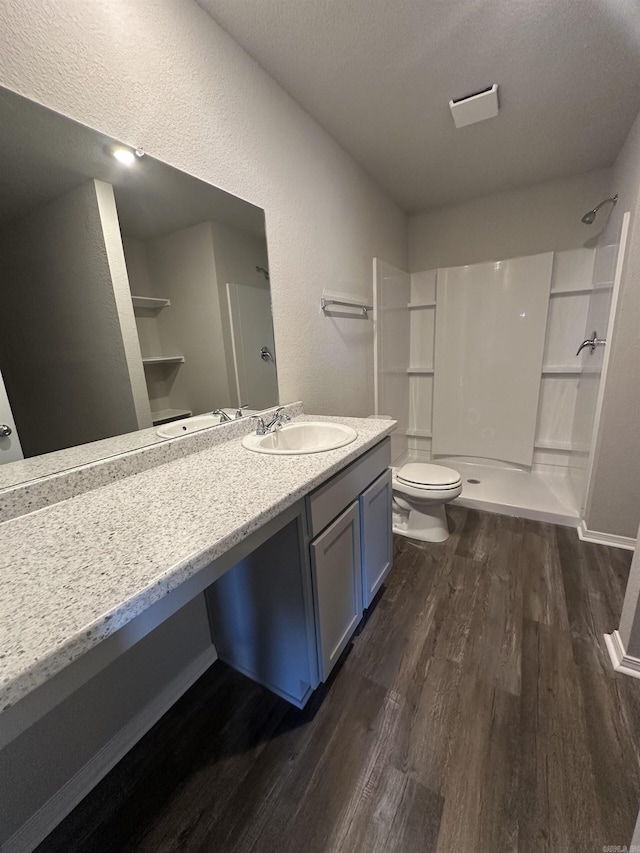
(425,476)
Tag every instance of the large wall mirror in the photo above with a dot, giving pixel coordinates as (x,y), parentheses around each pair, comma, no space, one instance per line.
(132,296)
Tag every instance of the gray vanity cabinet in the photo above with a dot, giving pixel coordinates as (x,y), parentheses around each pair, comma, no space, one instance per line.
(376,536)
(284,613)
(337,586)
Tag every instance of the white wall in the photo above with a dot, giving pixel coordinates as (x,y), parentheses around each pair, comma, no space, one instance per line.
(614,506)
(163,74)
(62,352)
(528,221)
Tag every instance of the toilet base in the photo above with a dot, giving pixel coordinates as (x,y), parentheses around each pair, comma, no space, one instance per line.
(428,524)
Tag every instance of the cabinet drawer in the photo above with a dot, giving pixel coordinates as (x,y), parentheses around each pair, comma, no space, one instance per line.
(337,584)
(376,536)
(330,499)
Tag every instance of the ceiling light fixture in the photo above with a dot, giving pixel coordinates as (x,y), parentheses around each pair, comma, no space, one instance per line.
(124,156)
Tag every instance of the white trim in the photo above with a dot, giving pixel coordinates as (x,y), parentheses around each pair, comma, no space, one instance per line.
(611,539)
(621,662)
(72,792)
(233,341)
(609,335)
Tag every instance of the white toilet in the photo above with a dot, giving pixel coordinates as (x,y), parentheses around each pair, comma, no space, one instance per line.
(420,491)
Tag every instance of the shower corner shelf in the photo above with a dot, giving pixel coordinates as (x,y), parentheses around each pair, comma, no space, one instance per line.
(581,291)
(561,369)
(163,359)
(150,302)
(412,305)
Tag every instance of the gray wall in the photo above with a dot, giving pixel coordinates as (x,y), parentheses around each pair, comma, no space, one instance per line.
(34,766)
(62,354)
(202,104)
(615,481)
(237,254)
(182,268)
(542,218)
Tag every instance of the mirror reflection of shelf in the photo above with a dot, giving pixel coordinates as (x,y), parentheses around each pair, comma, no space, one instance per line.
(150,302)
(418,371)
(165,416)
(582,291)
(412,305)
(163,359)
(561,369)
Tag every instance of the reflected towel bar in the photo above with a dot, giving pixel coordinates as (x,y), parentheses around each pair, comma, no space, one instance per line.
(327,302)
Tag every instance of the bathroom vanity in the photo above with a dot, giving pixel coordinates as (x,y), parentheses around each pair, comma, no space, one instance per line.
(281,553)
(285,613)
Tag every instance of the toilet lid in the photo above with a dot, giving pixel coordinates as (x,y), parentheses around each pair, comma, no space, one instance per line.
(424,474)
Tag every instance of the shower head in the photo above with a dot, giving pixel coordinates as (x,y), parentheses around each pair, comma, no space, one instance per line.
(589,218)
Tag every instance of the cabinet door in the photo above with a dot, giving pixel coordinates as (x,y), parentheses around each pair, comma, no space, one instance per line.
(337,582)
(376,536)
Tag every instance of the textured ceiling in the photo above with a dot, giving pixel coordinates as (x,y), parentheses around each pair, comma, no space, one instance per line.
(378,75)
(44,154)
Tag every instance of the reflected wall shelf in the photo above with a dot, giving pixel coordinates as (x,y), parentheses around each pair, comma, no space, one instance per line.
(563,370)
(421,305)
(150,302)
(164,359)
(582,291)
(420,371)
(166,415)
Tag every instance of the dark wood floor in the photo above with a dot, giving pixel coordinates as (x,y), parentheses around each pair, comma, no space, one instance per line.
(476,711)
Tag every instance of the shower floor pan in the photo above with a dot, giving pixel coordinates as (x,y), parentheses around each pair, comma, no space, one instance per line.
(538,495)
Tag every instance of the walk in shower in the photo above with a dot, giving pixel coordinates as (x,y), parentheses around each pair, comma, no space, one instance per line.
(479,366)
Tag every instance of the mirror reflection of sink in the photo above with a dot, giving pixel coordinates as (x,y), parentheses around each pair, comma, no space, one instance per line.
(304,437)
(187,425)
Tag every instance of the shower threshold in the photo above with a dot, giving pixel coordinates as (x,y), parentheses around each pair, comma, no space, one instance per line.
(540,495)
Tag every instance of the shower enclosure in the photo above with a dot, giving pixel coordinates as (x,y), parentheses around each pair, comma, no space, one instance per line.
(478,364)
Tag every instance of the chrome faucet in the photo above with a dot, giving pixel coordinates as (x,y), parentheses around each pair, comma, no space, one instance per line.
(224,417)
(277,421)
(592,342)
(239,413)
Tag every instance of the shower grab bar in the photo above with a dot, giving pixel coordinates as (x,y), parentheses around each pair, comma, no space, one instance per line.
(592,343)
(327,302)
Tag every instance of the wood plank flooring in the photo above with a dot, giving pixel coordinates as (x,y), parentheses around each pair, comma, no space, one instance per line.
(476,711)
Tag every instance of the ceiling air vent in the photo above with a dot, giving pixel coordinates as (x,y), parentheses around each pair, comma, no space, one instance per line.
(477,107)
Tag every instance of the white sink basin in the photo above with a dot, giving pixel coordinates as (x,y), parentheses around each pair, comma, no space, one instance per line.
(304,437)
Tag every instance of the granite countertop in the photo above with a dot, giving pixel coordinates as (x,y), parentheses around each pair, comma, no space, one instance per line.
(75,572)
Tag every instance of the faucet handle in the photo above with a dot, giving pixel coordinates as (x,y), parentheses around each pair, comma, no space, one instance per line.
(260,427)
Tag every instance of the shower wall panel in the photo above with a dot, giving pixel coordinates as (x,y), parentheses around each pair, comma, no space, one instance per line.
(391,349)
(490,332)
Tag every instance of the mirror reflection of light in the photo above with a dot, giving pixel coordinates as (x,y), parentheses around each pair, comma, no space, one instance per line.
(523,314)
(124,156)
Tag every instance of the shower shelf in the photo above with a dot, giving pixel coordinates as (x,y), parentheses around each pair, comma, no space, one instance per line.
(164,359)
(550,444)
(578,292)
(150,302)
(418,371)
(418,433)
(561,369)
(421,305)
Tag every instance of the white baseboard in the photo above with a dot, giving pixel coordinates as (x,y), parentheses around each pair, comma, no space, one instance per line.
(605,538)
(72,792)
(620,660)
